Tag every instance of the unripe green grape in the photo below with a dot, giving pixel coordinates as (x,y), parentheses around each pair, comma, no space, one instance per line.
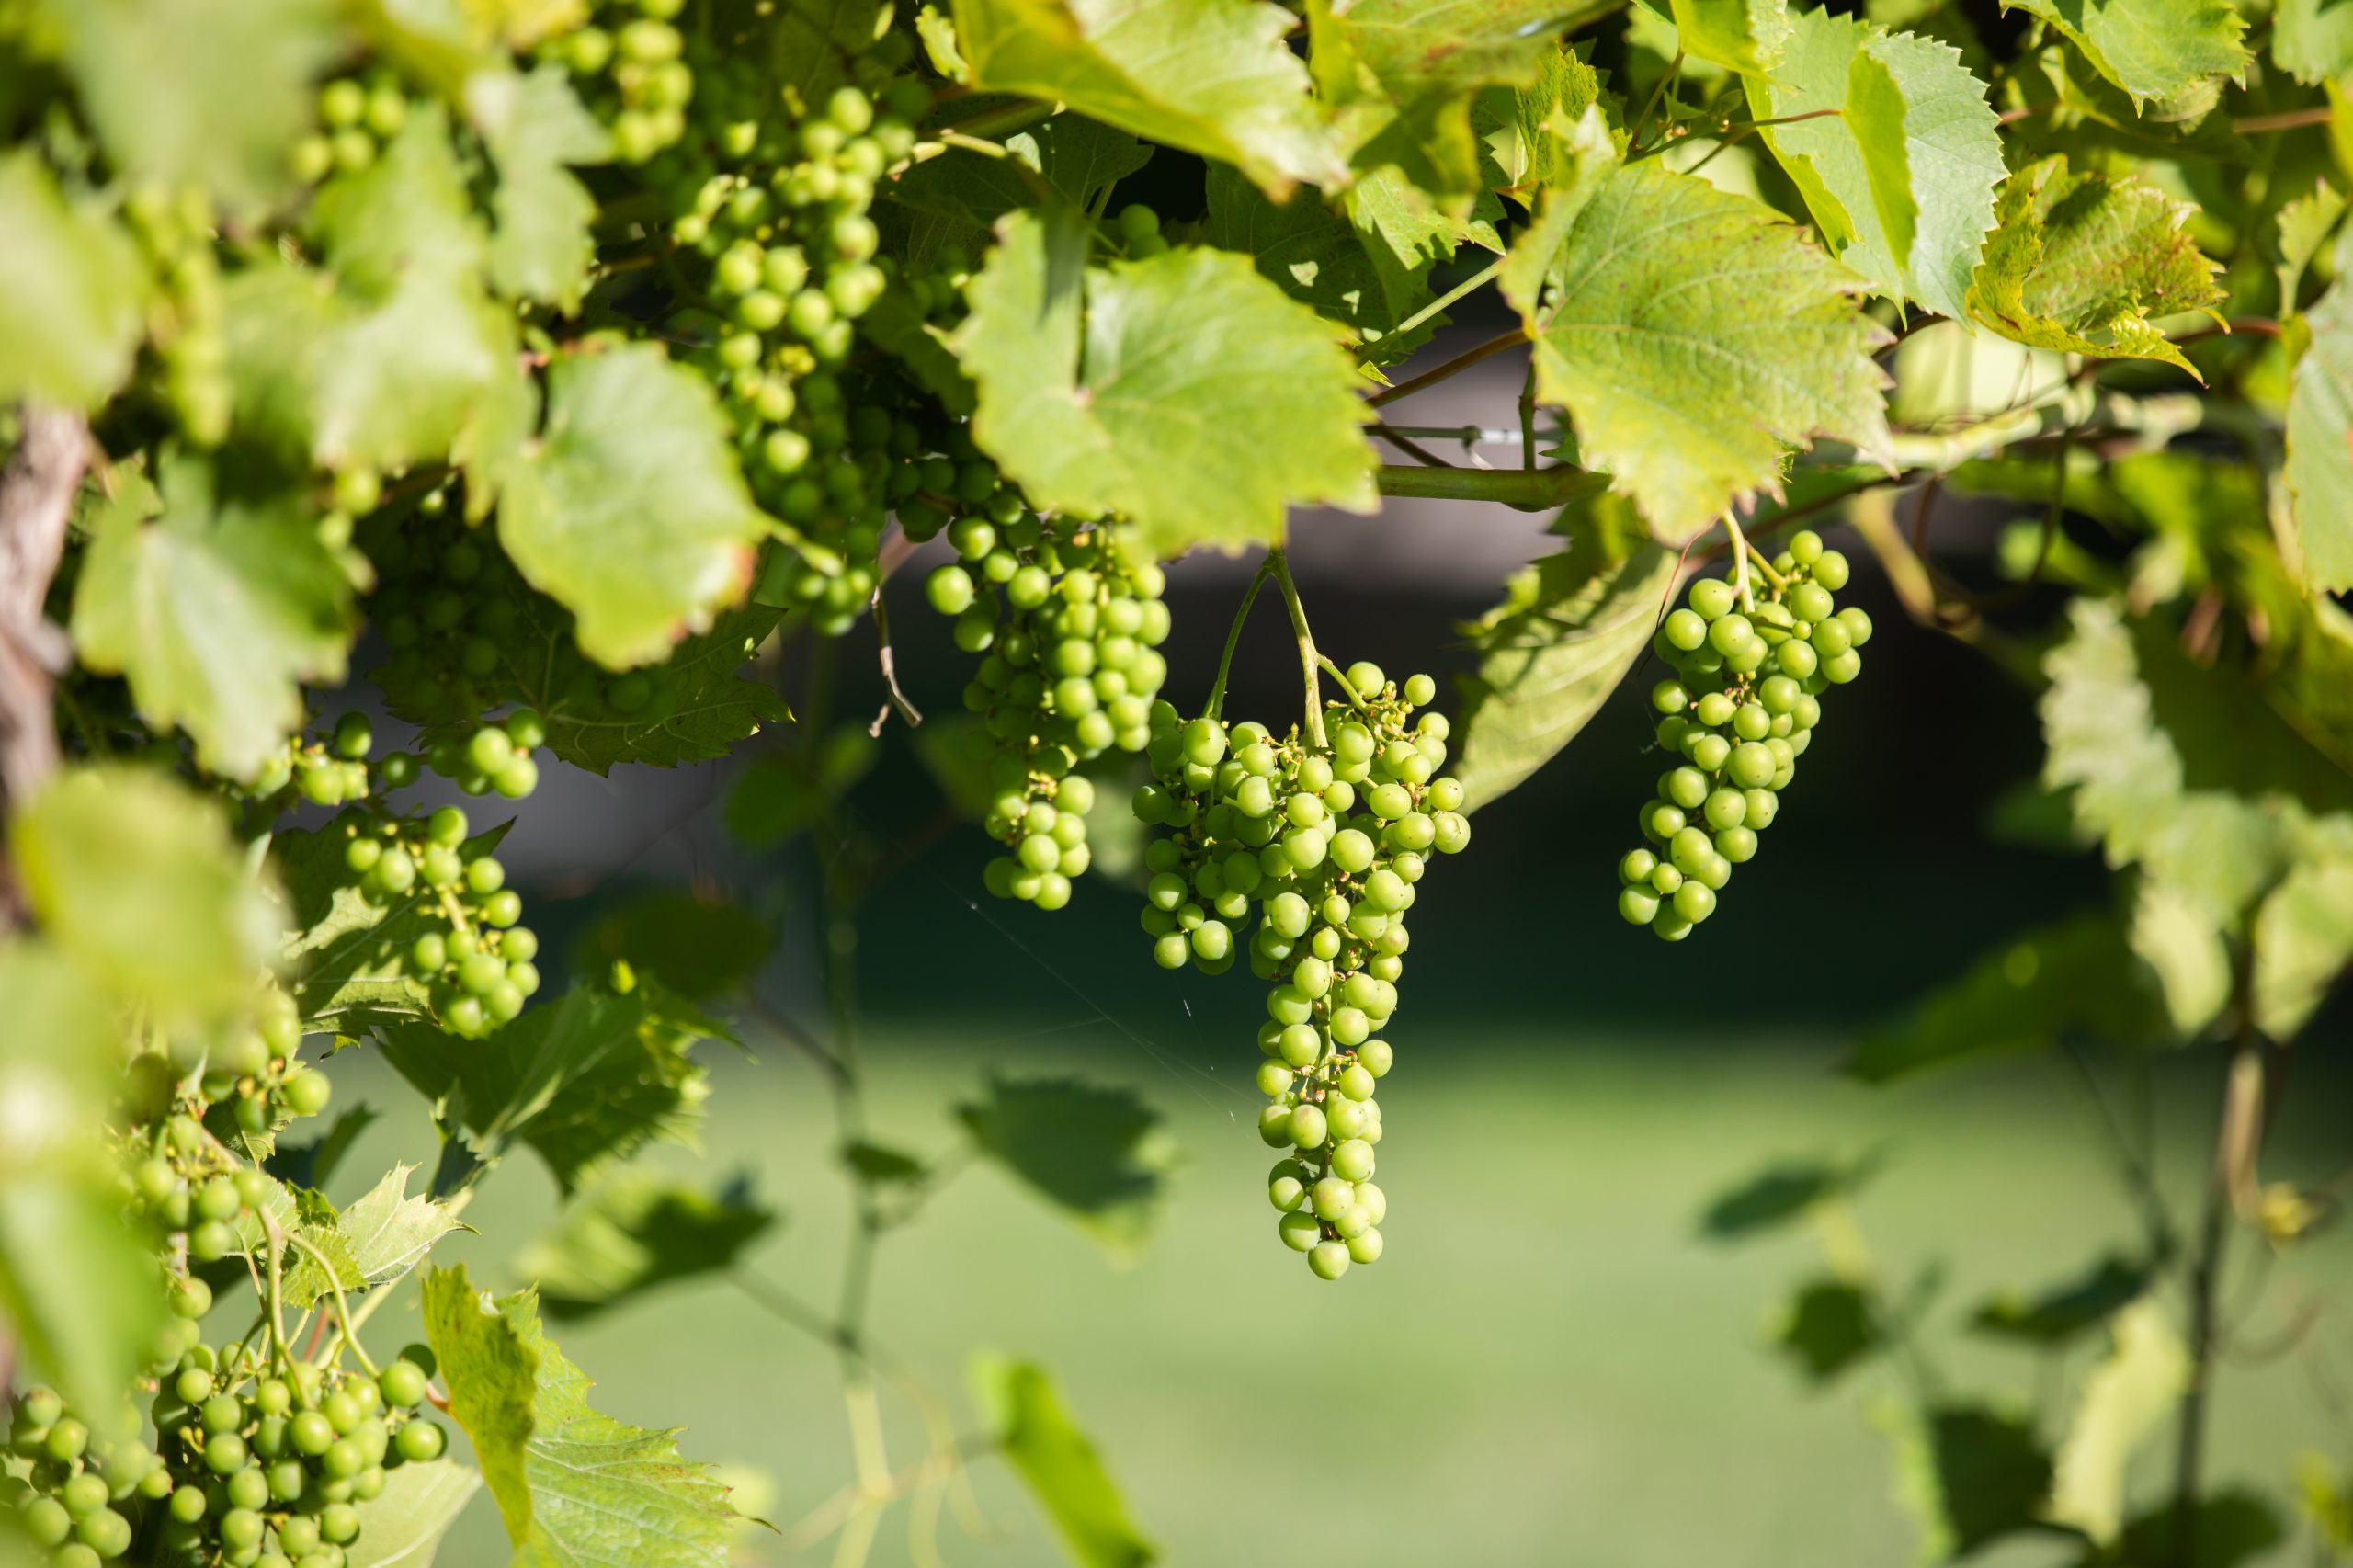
(1307,1127)
(1365,1246)
(1712,597)
(1830,570)
(1299,1229)
(1329,1259)
(1637,905)
(1684,630)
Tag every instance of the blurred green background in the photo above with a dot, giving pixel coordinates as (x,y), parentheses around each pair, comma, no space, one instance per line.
(1550,1365)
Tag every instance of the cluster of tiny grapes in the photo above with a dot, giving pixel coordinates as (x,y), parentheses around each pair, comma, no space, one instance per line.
(358,114)
(259,1461)
(1740,710)
(629,66)
(187,318)
(478,960)
(1070,670)
(1328,842)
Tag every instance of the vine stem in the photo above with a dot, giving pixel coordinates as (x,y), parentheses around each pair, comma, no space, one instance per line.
(1340,676)
(1309,679)
(1477,280)
(1740,554)
(283,1355)
(1234,637)
(1455,366)
(342,1307)
(37,494)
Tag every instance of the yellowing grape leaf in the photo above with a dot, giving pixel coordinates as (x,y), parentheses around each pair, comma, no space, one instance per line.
(1696,340)
(1900,169)
(1211,76)
(2080,262)
(216,613)
(1185,391)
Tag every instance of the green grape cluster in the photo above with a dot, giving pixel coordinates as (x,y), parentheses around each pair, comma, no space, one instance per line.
(184,1107)
(259,1461)
(358,114)
(1740,710)
(187,318)
(477,961)
(1328,840)
(629,66)
(1070,630)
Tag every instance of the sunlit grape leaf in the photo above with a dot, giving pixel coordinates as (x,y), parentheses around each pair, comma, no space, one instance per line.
(71,288)
(2076,977)
(698,947)
(1781,1194)
(2303,941)
(1696,340)
(1323,260)
(134,878)
(2320,440)
(1967,1474)
(385,1233)
(78,1285)
(1827,1326)
(2178,938)
(1517,123)
(2125,1399)
(590,1078)
(1387,207)
(2062,1312)
(2313,40)
(349,953)
(2226,1529)
(637,1232)
(1185,391)
(1059,1463)
(1901,179)
(1403,74)
(630,509)
(2151,48)
(1074,154)
(1569,629)
(1745,36)
(190,93)
(401,1526)
(1210,77)
(535,125)
(216,612)
(2177,766)
(1100,1155)
(576,1488)
(2306,224)
(394,350)
(2080,262)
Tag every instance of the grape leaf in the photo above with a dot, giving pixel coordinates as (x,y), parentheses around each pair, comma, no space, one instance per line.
(576,1488)
(634,1232)
(401,1526)
(1781,1194)
(1185,391)
(2151,48)
(1900,180)
(383,1235)
(804,49)
(216,612)
(630,509)
(1402,75)
(2078,976)
(134,878)
(1517,123)
(2313,40)
(1100,1155)
(1548,656)
(2126,1397)
(1385,205)
(2304,940)
(351,953)
(1323,260)
(1745,36)
(2320,441)
(697,947)
(1827,1326)
(1695,339)
(1209,76)
(2079,262)
(2226,1529)
(71,290)
(583,1081)
(189,93)
(396,351)
(77,1283)
(1059,1463)
(1074,154)
(2066,1311)
(534,126)
(1968,1474)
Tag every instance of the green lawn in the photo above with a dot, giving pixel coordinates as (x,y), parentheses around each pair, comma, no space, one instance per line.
(1547,1368)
